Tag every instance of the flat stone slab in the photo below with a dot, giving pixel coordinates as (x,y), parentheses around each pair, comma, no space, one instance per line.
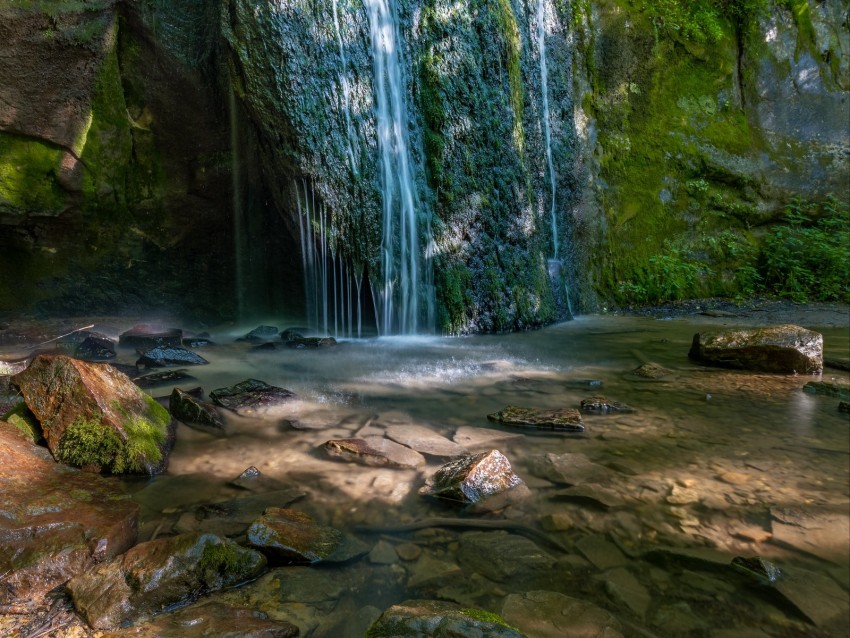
(55,521)
(474,439)
(837,388)
(251,397)
(783,349)
(548,614)
(439,618)
(569,469)
(558,420)
(820,532)
(603,405)
(374,451)
(167,356)
(424,440)
(143,336)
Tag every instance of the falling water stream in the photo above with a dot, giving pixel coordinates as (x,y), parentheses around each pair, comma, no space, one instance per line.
(350,134)
(547,134)
(642,520)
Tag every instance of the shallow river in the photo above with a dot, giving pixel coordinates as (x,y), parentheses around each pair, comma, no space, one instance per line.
(644,522)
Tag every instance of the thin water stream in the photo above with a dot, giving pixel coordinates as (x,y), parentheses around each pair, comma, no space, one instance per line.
(712,464)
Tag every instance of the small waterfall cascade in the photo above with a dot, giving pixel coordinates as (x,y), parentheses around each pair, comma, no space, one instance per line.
(332,287)
(345,83)
(405,278)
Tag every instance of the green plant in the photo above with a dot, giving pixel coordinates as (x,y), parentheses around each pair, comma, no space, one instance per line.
(666,277)
(808,257)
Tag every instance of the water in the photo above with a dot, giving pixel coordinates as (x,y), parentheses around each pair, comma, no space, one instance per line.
(351,135)
(547,134)
(404,237)
(702,471)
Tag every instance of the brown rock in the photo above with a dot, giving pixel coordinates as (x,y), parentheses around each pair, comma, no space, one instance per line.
(473,478)
(559,420)
(55,521)
(374,451)
(784,348)
(93,416)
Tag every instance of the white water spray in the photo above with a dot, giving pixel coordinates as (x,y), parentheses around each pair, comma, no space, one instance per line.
(401,250)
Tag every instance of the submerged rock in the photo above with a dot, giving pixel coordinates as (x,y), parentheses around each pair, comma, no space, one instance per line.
(261,333)
(559,420)
(196,413)
(602,405)
(144,336)
(569,469)
(251,397)
(300,342)
(290,537)
(166,377)
(95,349)
(439,619)
(757,568)
(155,575)
(548,614)
(93,416)
(473,478)
(55,521)
(424,440)
(166,356)
(651,370)
(837,388)
(374,451)
(784,349)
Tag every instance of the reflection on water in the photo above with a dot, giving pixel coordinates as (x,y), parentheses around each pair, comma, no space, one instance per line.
(712,464)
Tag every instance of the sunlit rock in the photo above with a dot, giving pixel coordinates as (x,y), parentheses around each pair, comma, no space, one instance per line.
(603,405)
(820,531)
(290,537)
(548,614)
(424,440)
(374,451)
(157,574)
(55,521)
(784,349)
(439,619)
(93,416)
(210,619)
(196,413)
(473,478)
(251,397)
(559,420)
(651,370)
(232,517)
(166,356)
(145,336)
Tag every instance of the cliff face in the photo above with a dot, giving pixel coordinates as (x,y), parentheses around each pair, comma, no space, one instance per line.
(559,155)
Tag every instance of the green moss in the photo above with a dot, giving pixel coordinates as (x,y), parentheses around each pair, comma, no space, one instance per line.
(488,617)
(223,561)
(28,170)
(25,421)
(506,21)
(90,442)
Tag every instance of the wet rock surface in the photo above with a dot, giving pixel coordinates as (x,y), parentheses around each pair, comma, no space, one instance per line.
(374,451)
(55,522)
(560,420)
(838,388)
(167,356)
(251,397)
(603,405)
(549,614)
(196,413)
(424,440)
(439,619)
(157,574)
(784,349)
(473,478)
(166,377)
(147,336)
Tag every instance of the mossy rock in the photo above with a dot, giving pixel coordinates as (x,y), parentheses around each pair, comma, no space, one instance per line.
(439,619)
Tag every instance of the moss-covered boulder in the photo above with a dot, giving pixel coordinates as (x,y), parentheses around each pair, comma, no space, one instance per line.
(158,574)
(55,521)
(93,416)
(438,619)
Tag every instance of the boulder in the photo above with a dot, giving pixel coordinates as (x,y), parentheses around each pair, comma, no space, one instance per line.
(558,420)
(146,336)
(783,349)
(261,333)
(55,521)
(166,377)
(166,356)
(95,348)
(291,537)
(93,416)
(473,478)
(439,619)
(158,574)
(251,397)
(374,451)
(548,614)
(195,413)
(837,388)
(300,342)
(603,405)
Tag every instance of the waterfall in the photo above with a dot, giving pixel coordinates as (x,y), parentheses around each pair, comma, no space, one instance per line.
(239,231)
(547,134)
(402,258)
(351,137)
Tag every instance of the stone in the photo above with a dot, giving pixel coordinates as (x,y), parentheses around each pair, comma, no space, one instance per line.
(167,356)
(251,397)
(14,366)
(603,405)
(55,522)
(95,348)
(424,440)
(837,388)
(624,589)
(199,341)
(559,420)
(160,573)
(374,452)
(290,537)
(93,416)
(383,553)
(817,531)
(234,516)
(844,406)
(503,557)
(818,597)
(261,333)
(209,619)
(197,414)
(299,343)
(548,614)
(146,336)
(473,478)
(652,371)
(569,469)
(783,349)
(599,495)
(475,439)
(601,552)
(439,619)
(757,568)
(165,377)
(836,363)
